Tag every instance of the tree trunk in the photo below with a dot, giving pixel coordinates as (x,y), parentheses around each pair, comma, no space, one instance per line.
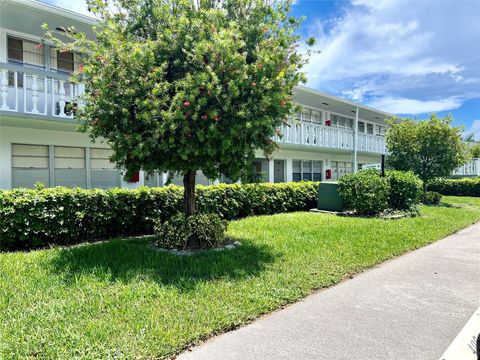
(189,203)
(189,192)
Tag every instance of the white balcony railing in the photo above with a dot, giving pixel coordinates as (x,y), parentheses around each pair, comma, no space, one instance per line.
(471,168)
(48,94)
(37,92)
(302,133)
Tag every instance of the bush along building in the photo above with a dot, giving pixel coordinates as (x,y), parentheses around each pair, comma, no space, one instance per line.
(330,137)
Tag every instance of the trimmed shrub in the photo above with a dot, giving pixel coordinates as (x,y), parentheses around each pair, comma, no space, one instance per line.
(455,187)
(202,230)
(366,192)
(59,216)
(431,198)
(405,189)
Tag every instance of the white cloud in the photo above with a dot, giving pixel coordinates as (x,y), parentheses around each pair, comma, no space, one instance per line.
(412,106)
(474,129)
(417,54)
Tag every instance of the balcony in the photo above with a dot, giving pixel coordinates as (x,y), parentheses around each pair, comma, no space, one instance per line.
(47,95)
(329,137)
(36,92)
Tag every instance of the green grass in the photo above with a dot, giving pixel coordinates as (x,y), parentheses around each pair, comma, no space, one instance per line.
(121,299)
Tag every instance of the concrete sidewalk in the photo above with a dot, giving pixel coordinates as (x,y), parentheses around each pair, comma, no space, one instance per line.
(411,307)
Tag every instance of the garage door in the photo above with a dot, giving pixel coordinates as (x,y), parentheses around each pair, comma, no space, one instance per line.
(70,167)
(103,172)
(30,164)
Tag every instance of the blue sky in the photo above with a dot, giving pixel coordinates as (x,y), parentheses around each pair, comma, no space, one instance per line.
(407,57)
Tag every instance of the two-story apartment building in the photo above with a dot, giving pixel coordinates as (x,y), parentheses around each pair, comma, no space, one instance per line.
(38,141)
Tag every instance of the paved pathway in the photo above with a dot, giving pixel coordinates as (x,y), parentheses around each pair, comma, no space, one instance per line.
(411,307)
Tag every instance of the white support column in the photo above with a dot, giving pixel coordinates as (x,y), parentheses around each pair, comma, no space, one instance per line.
(355,141)
(271,169)
(61,97)
(35,94)
(88,167)
(164,178)
(289,170)
(51,166)
(3,45)
(5,160)
(4,89)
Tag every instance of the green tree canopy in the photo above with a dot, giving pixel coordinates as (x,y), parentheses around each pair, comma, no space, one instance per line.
(475,150)
(188,85)
(429,148)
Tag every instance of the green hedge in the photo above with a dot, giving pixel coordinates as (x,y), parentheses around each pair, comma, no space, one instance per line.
(36,218)
(405,189)
(368,193)
(456,187)
(431,198)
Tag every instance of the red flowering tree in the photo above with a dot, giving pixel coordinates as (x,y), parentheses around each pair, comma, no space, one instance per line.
(188,85)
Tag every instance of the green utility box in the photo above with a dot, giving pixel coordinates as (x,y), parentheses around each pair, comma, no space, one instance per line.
(328,197)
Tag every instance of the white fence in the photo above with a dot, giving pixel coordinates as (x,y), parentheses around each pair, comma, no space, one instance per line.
(471,168)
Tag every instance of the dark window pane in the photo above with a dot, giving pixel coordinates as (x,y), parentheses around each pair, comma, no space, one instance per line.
(307,176)
(297,177)
(317,176)
(361,127)
(15,49)
(65,61)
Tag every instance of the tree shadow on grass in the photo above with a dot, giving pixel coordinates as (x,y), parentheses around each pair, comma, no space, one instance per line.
(447,205)
(133,260)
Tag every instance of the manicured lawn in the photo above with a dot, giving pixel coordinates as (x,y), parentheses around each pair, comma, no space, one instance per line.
(121,299)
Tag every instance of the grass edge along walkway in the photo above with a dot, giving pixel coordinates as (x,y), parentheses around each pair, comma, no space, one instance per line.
(121,299)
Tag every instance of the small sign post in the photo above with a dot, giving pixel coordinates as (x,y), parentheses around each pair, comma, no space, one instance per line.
(382,166)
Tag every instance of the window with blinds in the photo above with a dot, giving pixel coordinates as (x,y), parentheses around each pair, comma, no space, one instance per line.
(316,117)
(64,61)
(313,116)
(30,164)
(379,130)
(361,127)
(25,52)
(317,171)
(296,170)
(370,129)
(340,168)
(341,121)
(307,115)
(70,166)
(308,170)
